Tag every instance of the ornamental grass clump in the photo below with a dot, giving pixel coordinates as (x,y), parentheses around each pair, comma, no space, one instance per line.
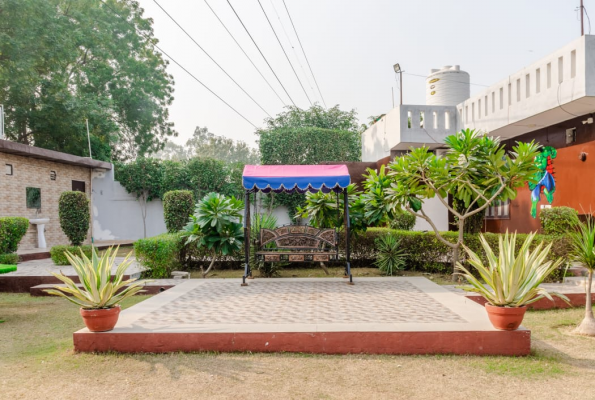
(511,279)
(99,289)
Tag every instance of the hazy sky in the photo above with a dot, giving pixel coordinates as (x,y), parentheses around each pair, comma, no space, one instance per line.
(351,45)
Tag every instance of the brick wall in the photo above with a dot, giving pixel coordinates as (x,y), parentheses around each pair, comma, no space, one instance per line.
(31,172)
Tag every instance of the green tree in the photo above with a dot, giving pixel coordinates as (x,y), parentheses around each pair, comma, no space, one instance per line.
(65,61)
(73,209)
(205,144)
(143,178)
(316,116)
(216,225)
(476,171)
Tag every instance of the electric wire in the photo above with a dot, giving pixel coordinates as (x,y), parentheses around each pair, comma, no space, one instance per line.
(305,56)
(588,19)
(177,63)
(212,59)
(265,59)
(247,56)
(282,48)
(305,74)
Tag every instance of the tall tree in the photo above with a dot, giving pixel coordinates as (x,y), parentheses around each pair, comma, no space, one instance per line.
(65,61)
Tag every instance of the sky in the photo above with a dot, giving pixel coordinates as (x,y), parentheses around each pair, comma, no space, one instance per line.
(351,46)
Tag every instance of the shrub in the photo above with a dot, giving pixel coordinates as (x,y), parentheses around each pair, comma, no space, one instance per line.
(558,220)
(177,209)
(9,259)
(403,221)
(74,214)
(160,255)
(59,258)
(391,256)
(12,230)
(4,269)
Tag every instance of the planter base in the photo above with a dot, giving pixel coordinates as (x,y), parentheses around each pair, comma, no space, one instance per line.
(101,320)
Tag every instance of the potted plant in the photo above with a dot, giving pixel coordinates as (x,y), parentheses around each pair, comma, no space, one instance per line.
(510,280)
(99,294)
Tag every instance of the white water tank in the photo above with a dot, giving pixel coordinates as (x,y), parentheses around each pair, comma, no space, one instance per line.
(447,86)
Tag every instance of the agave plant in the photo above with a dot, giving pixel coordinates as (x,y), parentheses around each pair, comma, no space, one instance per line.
(391,256)
(99,289)
(511,279)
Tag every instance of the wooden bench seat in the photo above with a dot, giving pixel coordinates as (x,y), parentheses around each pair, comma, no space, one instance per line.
(297,243)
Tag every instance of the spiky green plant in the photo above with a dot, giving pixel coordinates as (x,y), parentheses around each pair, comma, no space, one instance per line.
(583,252)
(391,256)
(511,279)
(99,289)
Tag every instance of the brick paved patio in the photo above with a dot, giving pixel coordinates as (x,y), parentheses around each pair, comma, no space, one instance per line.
(376,315)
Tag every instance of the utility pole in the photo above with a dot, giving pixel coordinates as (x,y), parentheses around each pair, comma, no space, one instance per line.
(393,92)
(582,25)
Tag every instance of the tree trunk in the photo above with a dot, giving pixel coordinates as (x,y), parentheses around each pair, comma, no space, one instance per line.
(213,259)
(143,211)
(587,327)
(456,250)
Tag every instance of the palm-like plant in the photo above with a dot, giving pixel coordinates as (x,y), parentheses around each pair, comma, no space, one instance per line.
(583,252)
(511,279)
(99,289)
(215,226)
(391,256)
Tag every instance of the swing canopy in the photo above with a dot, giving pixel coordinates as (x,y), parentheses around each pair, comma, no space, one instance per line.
(295,178)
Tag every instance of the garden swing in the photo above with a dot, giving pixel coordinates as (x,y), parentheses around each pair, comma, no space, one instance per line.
(296,243)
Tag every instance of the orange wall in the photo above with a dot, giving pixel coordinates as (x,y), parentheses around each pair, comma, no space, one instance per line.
(575,187)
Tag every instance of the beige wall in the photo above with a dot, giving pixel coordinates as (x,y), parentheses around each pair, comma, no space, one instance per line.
(31,172)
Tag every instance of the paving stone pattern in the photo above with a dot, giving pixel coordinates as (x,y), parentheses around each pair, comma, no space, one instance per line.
(302,302)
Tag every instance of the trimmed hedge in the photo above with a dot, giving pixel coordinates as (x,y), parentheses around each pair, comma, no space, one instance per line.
(59,258)
(424,252)
(12,230)
(403,222)
(177,208)
(558,220)
(73,208)
(9,259)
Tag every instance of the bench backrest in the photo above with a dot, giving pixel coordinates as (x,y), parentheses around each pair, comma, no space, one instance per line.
(299,237)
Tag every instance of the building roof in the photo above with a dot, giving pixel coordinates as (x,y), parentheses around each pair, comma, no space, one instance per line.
(24,150)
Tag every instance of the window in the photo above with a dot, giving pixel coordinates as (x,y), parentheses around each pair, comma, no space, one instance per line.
(527,86)
(78,186)
(8,169)
(446,120)
(510,94)
(53,175)
(501,98)
(549,75)
(435,119)
(479,109)
(498,210)
(486,105)
(33,196)
(518,90)
(537,80)
(408,119)
(467,114)
(422,117)
(560,69)
(493,102)
(472,112)
(573,63)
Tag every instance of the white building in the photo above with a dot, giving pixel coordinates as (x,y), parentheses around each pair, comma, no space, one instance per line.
(558,88)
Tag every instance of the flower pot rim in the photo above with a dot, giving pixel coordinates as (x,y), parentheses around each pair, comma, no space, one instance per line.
(100,308)
(491,305)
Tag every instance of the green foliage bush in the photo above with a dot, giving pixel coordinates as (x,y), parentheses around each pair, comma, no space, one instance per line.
(159,254)
(177,209)
(59,258)
(73,209)
(9,259)
(558,220)
(403,221)
(4,269)
(12,230)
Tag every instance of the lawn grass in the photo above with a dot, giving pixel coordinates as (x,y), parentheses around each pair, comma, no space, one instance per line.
(36,359)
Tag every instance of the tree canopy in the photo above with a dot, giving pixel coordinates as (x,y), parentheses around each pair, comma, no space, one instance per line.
(315,116)
(65,61)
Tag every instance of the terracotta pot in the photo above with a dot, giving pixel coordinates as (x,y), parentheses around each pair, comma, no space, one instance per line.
(101,320)
(505,318)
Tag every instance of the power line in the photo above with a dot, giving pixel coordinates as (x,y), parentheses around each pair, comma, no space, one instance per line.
(450,80)
(303,51)
(265,59)
(293,49)
(247,56)
(286,56)
(177,63)
(212,59)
